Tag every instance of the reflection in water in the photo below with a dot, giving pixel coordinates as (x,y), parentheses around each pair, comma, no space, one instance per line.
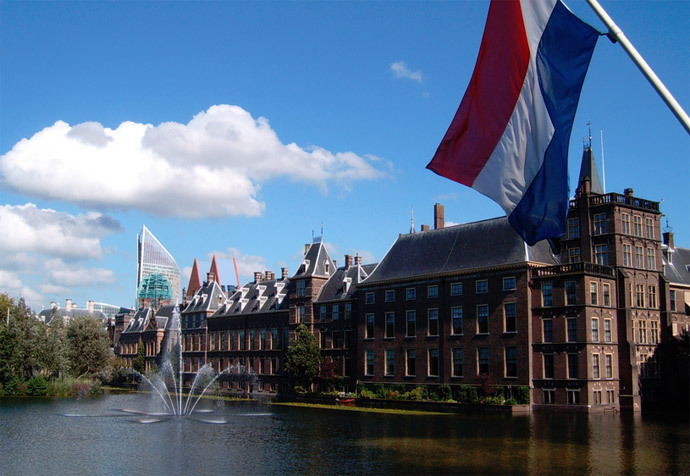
(43,436)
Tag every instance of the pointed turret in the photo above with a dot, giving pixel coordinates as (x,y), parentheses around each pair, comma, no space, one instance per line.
(214,271)
(588,171)
(194,280)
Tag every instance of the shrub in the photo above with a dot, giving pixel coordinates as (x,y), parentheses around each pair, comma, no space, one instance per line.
(418,393)
(37,386)
(364,393)
(15,386)
(494,400)
(467,394)
(300,389)
(444,393)
(522,394)
(511,401)
(380,390)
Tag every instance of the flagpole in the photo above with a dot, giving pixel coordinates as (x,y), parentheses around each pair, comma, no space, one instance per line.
(618,35)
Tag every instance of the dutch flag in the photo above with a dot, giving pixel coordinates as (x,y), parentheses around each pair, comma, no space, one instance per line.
(509,137)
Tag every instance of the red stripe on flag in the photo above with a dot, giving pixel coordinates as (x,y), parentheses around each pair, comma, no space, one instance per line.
(490,98)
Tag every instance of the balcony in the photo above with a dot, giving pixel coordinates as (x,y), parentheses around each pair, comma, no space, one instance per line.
(618,198)
(573,268)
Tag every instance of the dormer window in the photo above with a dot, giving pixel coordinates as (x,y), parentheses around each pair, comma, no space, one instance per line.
(328,267)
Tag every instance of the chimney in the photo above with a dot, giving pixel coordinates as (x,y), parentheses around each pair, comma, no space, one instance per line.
(358,260)
(270,275)
(53,305)
(210,277)
(348,261)
(68,304)
(628,192)
(668,239)
(439,216)
(257,276)
(284,273)
(89,305)
(425,227)
(306,248)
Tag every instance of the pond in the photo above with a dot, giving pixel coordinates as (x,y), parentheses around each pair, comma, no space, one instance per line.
(102,436)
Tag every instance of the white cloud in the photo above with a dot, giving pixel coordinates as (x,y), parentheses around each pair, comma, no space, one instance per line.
(211,167)
(400,70)
(70,275)
(246,265)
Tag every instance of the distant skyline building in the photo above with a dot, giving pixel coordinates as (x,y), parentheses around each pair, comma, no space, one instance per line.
(153,258)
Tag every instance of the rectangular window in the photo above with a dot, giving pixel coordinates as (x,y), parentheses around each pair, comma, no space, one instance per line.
(390,362)
(390,325)
(606,294)
(601,254)
(595,329)
(243,340)
(369,331)
(547,325)
(653,332)
(233,341)
(596,397)
(348,310)
(599,223)
(252,340)
(322,313)
(573,396)
(369,298)
(324,340)
(301,288)
(483,360)
(510,317)
(432,291)
(595,366)
(572,366)
(572,329)
(593,293)
(607,330)
(547,294)
(509,283)
(608,361)
(548,365)
(411,318)
(651,259)
(335,312)
(457,362)
(637,225)
(481,286)
(610,396)
(411,294)
(649,228)
(641,332)
(456,312)
(433,362)
(573,228)
(639,257)
(262,342)
(627,256)
(433,322)
(286,338)
(483,319)
(511,362)
(301,314)
(639,295)
(390,295)
(651,296)
(625,223)
(410,362)
(574,255)
(549,395)
(456,289)
(672,304)
(369,359)
(570,293)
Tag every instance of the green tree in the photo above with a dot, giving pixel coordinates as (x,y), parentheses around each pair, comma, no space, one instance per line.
(303,357)
(139,362)
(88,348)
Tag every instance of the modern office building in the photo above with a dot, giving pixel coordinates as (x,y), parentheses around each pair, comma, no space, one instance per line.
(154,260)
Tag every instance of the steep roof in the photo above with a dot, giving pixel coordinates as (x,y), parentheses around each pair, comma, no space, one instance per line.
(255,297)
(316,262)
(482,244)
(209,298)
(677,265)
(214,270)
(62,314)
(194,280)
(343,284)
(588,170)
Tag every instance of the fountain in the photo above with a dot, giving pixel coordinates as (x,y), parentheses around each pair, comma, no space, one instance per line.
(168,387)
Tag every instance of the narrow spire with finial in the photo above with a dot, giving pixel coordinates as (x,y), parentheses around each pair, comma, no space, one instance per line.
(412,221)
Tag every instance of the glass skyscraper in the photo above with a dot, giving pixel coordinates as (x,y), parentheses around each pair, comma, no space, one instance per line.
(153,258)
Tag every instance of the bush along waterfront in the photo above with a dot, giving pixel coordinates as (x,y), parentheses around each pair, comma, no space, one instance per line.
(57,360)
(490,395)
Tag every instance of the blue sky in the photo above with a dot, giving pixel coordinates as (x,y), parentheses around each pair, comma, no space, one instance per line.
(265,121)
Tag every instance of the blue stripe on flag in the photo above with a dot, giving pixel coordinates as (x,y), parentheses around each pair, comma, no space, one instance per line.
(563,57)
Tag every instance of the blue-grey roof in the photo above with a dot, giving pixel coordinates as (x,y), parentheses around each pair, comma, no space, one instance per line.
(263,296)
(482,244)
(343,284)
(677,265)
(209,298)
(316,262)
